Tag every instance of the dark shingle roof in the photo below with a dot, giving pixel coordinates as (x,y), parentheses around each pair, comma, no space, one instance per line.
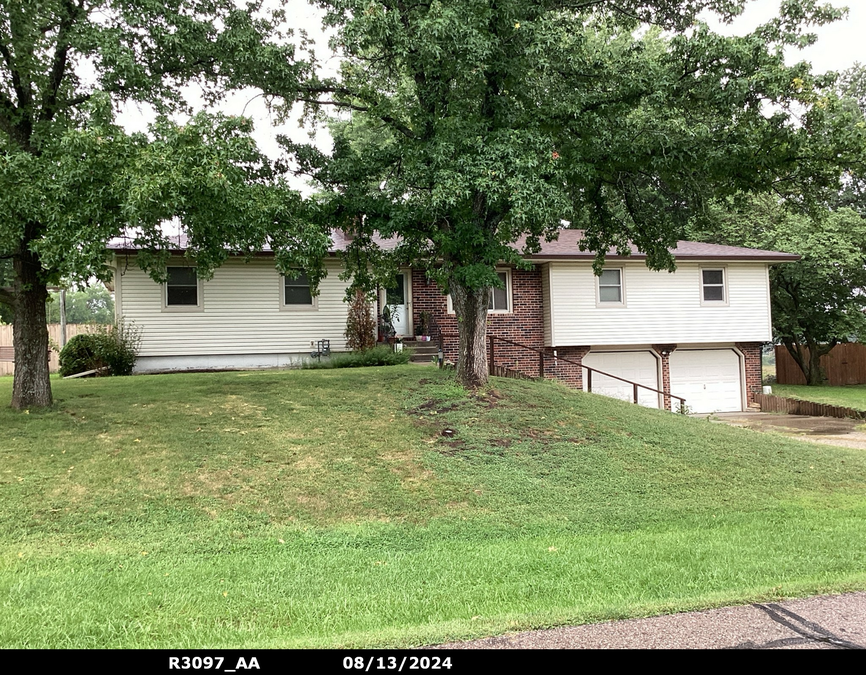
(566,247)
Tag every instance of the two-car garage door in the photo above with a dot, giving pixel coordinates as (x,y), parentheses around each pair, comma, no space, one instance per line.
(709,379)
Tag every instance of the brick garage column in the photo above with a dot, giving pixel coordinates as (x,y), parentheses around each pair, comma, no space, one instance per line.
(570,374)
(754,376)
(664,352)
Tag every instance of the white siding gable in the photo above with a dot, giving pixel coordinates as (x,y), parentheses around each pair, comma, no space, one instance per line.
(657,307)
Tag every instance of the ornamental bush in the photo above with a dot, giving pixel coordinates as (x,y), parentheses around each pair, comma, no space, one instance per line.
(360,324)
(80,354)
(114,348)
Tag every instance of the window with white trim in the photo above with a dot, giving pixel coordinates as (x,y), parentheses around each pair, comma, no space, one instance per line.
(182,288)
(713,286)
(500,298)
(297,292)
(610,289)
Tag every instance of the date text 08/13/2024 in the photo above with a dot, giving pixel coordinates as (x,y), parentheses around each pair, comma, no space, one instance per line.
(350,663)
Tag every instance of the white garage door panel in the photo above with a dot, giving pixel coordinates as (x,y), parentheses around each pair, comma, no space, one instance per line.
(709,379)
(640,367)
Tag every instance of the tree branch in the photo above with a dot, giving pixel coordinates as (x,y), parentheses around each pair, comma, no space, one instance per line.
(58,66)
(399,126)
(6,296)
(69,103)
(7,56)
(25,97)
(7,111)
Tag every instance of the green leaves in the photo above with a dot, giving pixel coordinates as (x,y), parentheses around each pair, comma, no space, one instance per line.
(71,179)
(79,179)
(818,301)
(476,125)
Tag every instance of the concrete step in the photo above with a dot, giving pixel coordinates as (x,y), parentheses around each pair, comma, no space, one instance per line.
(422,347)
(426,361)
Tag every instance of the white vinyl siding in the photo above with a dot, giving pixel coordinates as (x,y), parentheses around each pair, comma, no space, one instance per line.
(240,313)
(661,307)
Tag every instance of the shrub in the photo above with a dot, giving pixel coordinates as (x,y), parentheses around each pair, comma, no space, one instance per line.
(377,356)
(360,324)
(80,354)
(112,347)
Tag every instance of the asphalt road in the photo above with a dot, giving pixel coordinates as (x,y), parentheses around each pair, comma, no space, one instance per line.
(823,622)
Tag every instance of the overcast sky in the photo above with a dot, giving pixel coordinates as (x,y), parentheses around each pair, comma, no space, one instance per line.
(839,46)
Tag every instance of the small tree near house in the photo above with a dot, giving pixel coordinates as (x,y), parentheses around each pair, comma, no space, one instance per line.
(360,323)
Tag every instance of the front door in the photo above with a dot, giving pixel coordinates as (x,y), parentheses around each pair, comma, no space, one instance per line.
(397,299)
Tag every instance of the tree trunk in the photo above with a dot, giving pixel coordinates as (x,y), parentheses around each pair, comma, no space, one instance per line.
(808,358)
(470,307)
(814,373)
(31,387)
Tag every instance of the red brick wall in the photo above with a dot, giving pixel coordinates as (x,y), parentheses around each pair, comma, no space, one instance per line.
(754,376)
(569,373)
(524,324)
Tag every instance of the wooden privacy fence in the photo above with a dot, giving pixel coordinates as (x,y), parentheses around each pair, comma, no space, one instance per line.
(845,364)
(7,368)
(794,406)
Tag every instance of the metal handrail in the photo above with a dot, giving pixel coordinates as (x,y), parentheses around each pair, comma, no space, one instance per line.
(590,370)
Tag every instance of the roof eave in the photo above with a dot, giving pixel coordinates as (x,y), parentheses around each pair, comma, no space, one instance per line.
(539,258)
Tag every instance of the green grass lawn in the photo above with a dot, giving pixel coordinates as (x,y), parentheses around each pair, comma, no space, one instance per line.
(327,508)
(850,396)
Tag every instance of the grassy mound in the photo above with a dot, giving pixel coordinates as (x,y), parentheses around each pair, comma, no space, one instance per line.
(388,506)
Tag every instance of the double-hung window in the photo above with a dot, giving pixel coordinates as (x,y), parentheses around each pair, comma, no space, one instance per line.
(297,293)
(500,298)
(713,291)
(610,287)
(182,289)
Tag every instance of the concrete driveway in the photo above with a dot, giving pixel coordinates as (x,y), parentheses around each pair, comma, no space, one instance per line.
(825,430)
(823,622)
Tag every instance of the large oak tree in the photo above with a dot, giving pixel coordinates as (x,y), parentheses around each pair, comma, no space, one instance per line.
(478,126)
(70,178)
